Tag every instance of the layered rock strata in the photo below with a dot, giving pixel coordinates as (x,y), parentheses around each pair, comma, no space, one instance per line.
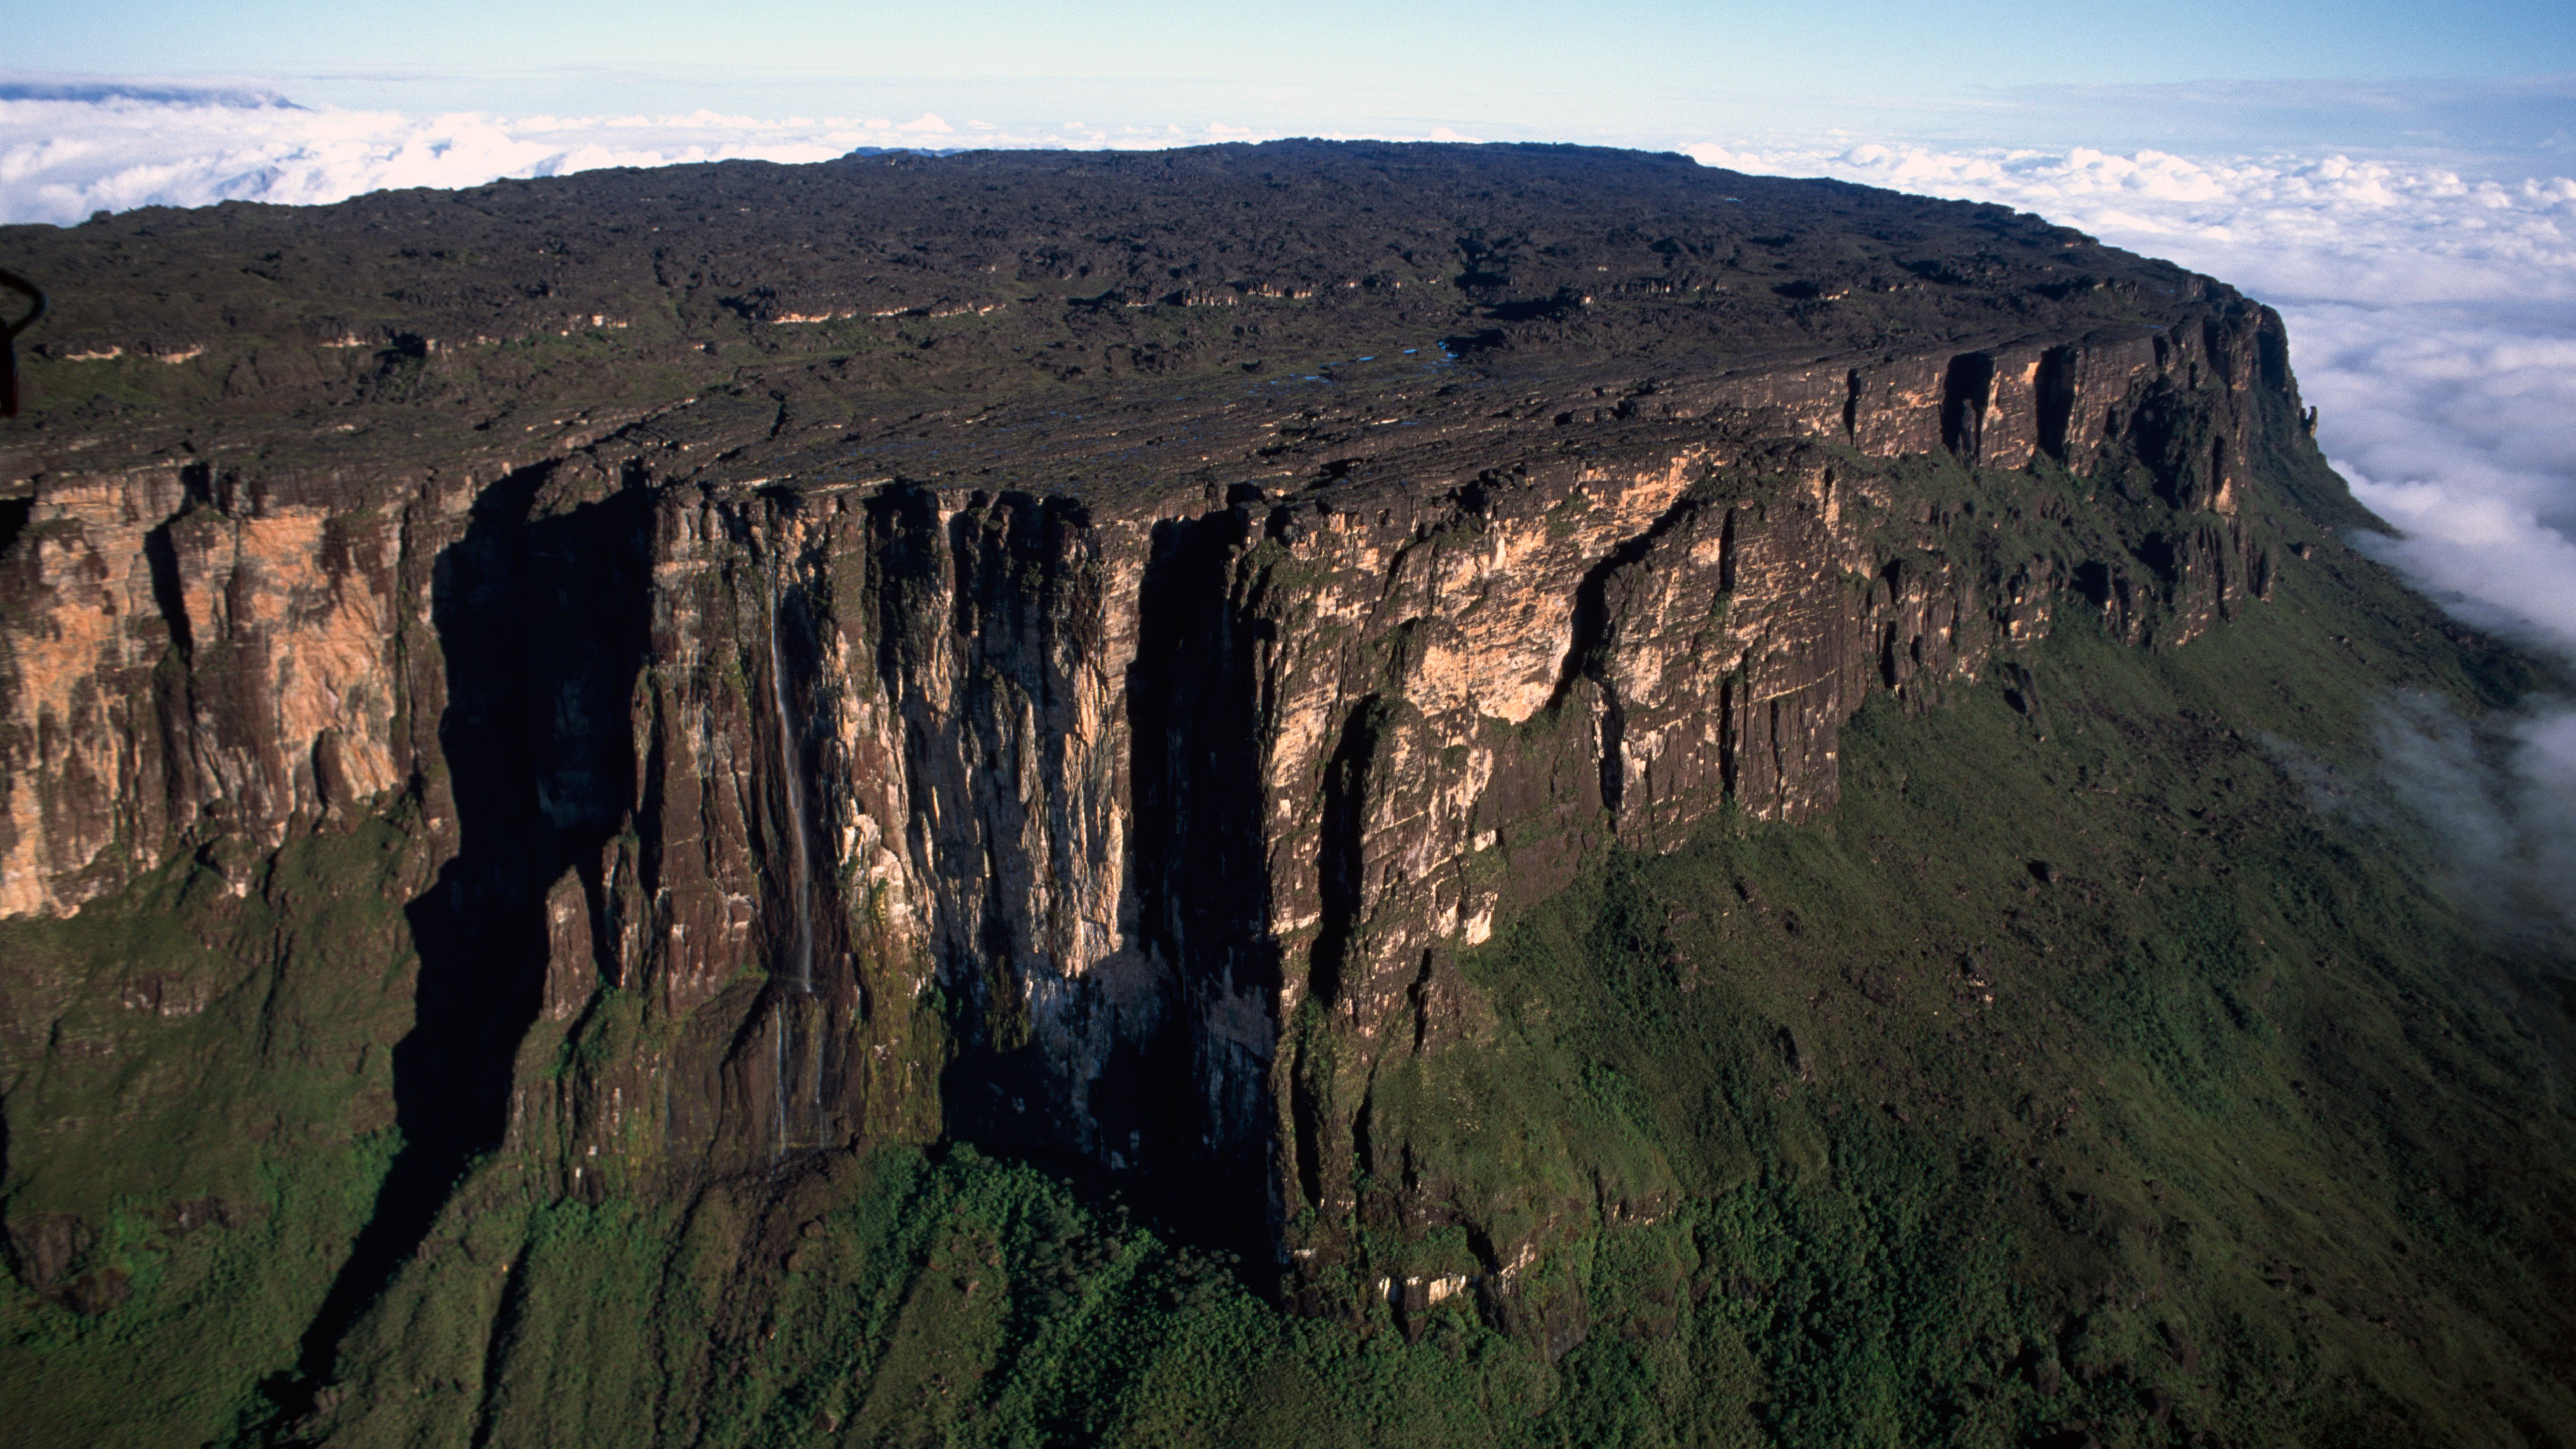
(1076,681)
(1153,792)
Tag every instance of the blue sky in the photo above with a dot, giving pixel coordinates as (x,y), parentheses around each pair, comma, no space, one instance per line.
(1643,64)
(1448,48)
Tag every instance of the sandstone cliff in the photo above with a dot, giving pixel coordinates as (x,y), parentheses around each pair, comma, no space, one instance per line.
(1115,786)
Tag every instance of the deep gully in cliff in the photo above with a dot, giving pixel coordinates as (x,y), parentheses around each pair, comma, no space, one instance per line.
(800,854)
(539,781)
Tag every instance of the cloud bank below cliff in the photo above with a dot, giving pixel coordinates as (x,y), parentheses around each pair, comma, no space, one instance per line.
(67,150)
(2433,322)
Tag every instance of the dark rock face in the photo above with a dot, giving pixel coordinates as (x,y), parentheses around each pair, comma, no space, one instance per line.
(1156,608)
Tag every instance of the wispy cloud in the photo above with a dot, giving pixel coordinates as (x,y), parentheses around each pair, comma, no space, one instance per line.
(2488,805)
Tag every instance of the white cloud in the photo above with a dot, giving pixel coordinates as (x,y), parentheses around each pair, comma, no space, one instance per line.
(65,156)
(2286,227)
(69,150)
(2457,424)
(2491,803)
(62,159)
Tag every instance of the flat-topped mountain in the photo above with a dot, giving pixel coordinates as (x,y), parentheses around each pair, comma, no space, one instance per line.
(1603,792)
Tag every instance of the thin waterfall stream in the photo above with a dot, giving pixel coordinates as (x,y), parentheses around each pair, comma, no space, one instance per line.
(778,1074)
(800,890)
(791,773)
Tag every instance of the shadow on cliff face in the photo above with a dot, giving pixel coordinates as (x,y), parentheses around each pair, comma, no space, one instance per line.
(1184,1106)
(1204,884)
(542,625)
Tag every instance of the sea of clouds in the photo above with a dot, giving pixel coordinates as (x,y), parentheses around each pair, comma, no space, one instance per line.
(67,150)
(2432,320)
(2432,314)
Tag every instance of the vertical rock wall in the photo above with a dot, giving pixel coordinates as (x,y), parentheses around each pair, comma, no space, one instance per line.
(1094,804)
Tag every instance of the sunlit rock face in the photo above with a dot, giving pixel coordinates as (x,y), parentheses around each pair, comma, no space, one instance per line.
(1141,615)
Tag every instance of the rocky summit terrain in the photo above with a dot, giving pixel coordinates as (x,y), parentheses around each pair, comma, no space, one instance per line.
(1297,794)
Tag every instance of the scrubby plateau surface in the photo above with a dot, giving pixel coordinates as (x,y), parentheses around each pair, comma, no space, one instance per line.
(1303,793)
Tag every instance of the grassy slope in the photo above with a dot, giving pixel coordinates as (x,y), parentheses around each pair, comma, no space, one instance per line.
(202,1080)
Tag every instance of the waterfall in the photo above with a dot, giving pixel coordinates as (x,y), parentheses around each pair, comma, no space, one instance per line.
(791,777)
(791,772)
(778,1074)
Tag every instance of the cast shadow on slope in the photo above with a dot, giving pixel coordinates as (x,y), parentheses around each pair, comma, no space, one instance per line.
(542,625)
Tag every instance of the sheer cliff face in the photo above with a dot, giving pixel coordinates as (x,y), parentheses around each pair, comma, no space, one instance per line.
(835,804)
